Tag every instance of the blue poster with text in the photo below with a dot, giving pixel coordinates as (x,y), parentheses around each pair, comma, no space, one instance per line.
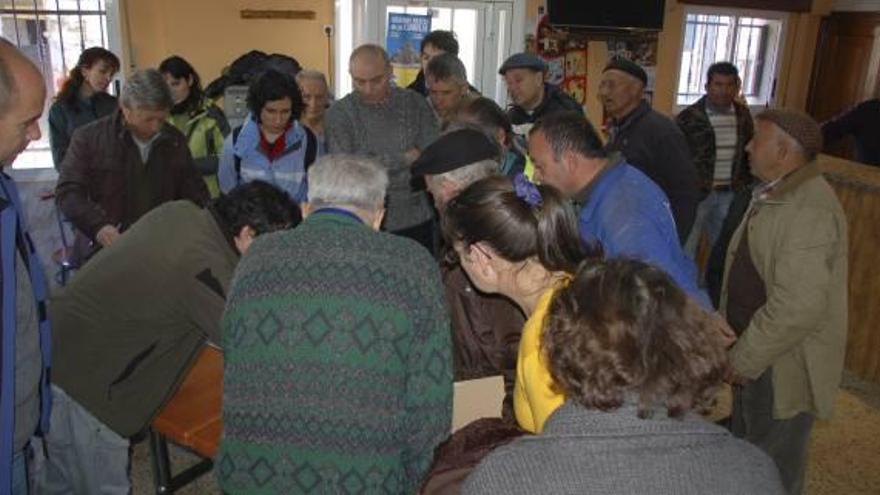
(405,34)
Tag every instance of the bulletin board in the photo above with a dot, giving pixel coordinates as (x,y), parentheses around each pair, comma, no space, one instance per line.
(566,55)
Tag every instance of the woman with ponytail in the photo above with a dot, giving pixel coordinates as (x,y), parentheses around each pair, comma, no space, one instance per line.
(520,240)
(198,118)
(83,98)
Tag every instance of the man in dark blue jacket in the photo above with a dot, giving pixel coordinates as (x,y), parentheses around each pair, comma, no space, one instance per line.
(24,345)
(531,97)
(862,123)
(649,140)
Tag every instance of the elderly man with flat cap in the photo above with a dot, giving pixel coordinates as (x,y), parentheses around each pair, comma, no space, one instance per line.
(784,294)
(485,328)
(531,97)
(649,140)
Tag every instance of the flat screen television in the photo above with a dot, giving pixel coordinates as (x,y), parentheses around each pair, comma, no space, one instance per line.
(607,15)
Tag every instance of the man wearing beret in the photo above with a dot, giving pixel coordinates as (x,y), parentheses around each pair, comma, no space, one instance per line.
(785,295)
(649,140)
(486,328)
(531,97)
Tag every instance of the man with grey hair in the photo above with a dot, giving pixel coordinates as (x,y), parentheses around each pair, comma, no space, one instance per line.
(316,97)
(486,328)
(448,87)
(24,367)
(390,124)
(122,166)
(338,372)
(785,295)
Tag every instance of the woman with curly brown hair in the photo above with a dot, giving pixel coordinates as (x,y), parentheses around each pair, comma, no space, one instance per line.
(636,360)
(519,240)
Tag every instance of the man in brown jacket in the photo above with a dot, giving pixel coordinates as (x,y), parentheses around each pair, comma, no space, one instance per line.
(785,295)
(485,328)
(122,166)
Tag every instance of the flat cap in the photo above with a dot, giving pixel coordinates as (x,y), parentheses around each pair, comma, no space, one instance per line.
(628,66)
(803,128)
(523,61)
(454,150)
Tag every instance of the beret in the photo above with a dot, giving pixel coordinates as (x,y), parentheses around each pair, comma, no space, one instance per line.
(803,128)
(628,66)
(454,150)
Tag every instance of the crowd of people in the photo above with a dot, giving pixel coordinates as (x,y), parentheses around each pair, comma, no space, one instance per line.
(354,258)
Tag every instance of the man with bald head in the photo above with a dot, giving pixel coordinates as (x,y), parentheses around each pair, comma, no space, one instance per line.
(24,346)
(392,125)
(649,140)
(784,294)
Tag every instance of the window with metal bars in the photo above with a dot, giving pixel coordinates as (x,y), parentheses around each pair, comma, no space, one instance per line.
(52,33)
(751,43)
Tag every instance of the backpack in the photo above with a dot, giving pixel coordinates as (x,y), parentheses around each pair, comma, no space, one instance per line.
(311,151)
(215,113)
(248,67)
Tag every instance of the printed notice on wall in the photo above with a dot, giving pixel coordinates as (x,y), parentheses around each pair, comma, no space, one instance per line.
(403,42)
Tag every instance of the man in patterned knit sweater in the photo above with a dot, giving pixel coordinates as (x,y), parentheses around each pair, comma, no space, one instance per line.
(338,373)
(392,125)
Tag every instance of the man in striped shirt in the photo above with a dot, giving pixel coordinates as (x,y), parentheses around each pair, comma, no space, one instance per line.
(717,128)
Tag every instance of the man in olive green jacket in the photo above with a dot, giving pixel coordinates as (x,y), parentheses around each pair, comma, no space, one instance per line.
(785,294)
(130,324)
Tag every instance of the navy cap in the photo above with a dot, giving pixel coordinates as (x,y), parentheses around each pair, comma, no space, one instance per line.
(523,61)
(628,66)
(454,150)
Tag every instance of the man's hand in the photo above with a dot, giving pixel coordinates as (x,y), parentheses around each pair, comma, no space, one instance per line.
(411,155)
(107,235)
(734,378)
(728,336)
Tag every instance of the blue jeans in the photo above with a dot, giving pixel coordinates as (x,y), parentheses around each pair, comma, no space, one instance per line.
(84,455)
(709,219)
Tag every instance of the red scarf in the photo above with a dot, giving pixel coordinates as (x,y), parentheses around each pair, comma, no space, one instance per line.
(273,150)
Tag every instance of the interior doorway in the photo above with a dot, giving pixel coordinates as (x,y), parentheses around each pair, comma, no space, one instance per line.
(846,70)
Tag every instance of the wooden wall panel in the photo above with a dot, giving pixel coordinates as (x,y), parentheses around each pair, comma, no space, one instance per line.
(858,187)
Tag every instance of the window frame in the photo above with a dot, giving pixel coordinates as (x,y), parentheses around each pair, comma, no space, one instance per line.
(112,34)
(771,64)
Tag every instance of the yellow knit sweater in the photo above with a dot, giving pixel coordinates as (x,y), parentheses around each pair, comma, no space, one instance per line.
(534,398)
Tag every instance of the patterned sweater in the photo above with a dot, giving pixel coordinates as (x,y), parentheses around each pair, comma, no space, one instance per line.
(338,371)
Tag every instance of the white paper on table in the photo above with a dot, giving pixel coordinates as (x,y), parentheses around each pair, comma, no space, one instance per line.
(475,399)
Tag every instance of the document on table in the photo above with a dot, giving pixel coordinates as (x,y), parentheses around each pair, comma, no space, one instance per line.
(475,399)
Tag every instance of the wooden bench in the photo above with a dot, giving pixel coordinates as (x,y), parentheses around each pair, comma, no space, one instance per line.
(192,419)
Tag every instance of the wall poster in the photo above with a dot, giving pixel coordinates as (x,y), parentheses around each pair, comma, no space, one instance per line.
(403,41)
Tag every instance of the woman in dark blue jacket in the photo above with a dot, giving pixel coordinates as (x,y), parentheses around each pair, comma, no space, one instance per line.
(83,98)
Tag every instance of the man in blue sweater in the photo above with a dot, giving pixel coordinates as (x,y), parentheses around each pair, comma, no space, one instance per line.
(620,208)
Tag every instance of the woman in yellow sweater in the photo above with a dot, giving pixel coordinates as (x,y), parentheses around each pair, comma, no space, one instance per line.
(519,240)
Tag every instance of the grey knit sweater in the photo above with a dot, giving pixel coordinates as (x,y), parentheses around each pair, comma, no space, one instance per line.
(593,452)
(385,132)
